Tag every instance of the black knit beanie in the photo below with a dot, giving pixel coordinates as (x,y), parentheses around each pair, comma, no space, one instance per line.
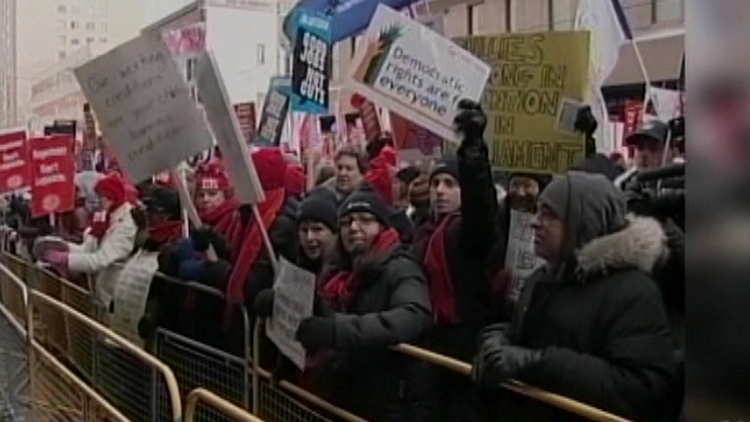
(319,205)
(448,165)
(366,200)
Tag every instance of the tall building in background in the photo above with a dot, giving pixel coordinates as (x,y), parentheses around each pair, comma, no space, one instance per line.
(55,36)
(8,111)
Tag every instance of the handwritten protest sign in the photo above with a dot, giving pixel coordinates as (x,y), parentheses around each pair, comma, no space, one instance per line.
(407,68)
(294,291)
(531,100)
(15,171)
(520,257)
(52,173)
(312,66)
(245,113)
(227,132)
(275,109)
(144,107)
(131,293)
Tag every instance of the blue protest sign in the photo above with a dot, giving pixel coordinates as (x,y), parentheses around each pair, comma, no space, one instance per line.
(275,109)
(348,17)
(312,62)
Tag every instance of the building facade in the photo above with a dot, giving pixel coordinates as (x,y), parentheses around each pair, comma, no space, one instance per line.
(54,37)
(8,109)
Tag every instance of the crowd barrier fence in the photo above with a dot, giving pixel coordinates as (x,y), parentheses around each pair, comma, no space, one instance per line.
(202,405)
(197,366)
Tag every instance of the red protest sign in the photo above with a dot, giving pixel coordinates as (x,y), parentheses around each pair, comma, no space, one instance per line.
(246,118)
(15,171)
(52,173)
(408,135)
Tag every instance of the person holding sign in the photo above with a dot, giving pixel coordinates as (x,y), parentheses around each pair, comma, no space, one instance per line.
(108,240)
(378,296)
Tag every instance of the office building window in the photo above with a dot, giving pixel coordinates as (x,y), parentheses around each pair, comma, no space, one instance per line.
(668,11)
(103,40)
(90,26)
(62,8)
(74,41)
(562,14)
(61,55)
(90,40)
(73,25)
(261,53)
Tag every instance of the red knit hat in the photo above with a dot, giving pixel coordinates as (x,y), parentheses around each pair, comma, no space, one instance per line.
(111,187)
(271,168)
(211,176)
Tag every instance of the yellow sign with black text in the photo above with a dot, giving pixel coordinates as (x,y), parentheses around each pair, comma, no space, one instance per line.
(536,86)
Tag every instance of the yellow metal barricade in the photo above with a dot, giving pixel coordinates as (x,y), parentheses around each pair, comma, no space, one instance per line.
(13,291)
(134,382)
(202,405)
(14,368)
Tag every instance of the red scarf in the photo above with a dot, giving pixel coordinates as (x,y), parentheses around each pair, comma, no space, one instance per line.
(340,289)
(436,265)
(225,220)
(101,220)
(252,245)
(165,232)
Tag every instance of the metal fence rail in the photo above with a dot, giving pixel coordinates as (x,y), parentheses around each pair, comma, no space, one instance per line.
(204,406)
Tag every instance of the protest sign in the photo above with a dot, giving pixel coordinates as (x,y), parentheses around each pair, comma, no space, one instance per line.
(15,169)
(89,129)
(131,294)
(370,117)
(407,68)
(245,113)
(408,135)
(275,109)
(537,84)
(667,103)
(294,291)
(520,258)
(632,117)
(144,108)
(311,68)
(52,174)
(227,131)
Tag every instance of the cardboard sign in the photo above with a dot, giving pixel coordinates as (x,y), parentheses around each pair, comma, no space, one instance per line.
(407,68)
(538,82)
(131,294)
(370,116)
(311,68)
(520,257)
(15,169)
(275,110)
(144,108)
(227,131)
(245,113)
(52,174)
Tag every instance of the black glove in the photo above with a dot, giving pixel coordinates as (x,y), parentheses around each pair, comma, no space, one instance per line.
(146,328)
(202,238)
(215,274)
(316,333)
(500,362)
(499,330)
(263,305)
(585,122)
(322,308)
(246,213)
(470,121)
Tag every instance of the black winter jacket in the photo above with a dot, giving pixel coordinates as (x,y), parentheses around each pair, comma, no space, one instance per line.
(468,244)
(391,306)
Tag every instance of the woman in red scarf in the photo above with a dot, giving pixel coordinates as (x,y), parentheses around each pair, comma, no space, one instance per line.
(378,297)
(216,205)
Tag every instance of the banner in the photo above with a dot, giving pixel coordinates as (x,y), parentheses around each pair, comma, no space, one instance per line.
(370,117)
(408,135)
(348,17)
(245,113)
(537,86)
(15,169)
(313,61)
(275,109)
(52,174)
(144,108)
(405,67)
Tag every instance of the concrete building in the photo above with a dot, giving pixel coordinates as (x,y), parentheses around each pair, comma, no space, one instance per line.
(49,33)
(658,24)
(8,109)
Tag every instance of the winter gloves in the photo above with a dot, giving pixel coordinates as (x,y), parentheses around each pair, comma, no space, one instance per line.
(498,360)
(470,122)
(316,332)
(263,305)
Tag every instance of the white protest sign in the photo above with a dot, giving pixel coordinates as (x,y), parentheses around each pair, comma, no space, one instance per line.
(407,68)
(226,129)
(144,106)
(294,292)
(520,257)
(667,103)
(131,294)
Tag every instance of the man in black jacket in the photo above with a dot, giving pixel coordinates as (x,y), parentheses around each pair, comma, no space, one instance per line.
(591,324)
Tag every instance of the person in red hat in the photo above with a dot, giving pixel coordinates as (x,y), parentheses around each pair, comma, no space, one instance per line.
(109,239)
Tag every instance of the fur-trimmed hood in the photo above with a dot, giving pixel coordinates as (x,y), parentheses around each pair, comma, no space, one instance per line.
(640,245)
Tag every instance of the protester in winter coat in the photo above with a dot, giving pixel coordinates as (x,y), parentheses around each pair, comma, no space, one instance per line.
(590,325)
(216,204)
(108,240)
(351,166)
(379,298)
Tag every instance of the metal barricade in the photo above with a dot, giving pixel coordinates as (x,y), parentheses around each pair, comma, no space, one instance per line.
(134,382)
(202,405)
(198,365)
(14,369)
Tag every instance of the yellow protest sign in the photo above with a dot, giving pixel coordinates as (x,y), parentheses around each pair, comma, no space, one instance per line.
(536,86)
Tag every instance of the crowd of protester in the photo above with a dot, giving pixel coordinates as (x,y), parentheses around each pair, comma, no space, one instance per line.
(410,256)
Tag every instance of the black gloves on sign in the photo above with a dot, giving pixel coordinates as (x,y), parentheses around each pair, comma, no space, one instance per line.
(263,305)
(470,121)
(498,361)
(316,333)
